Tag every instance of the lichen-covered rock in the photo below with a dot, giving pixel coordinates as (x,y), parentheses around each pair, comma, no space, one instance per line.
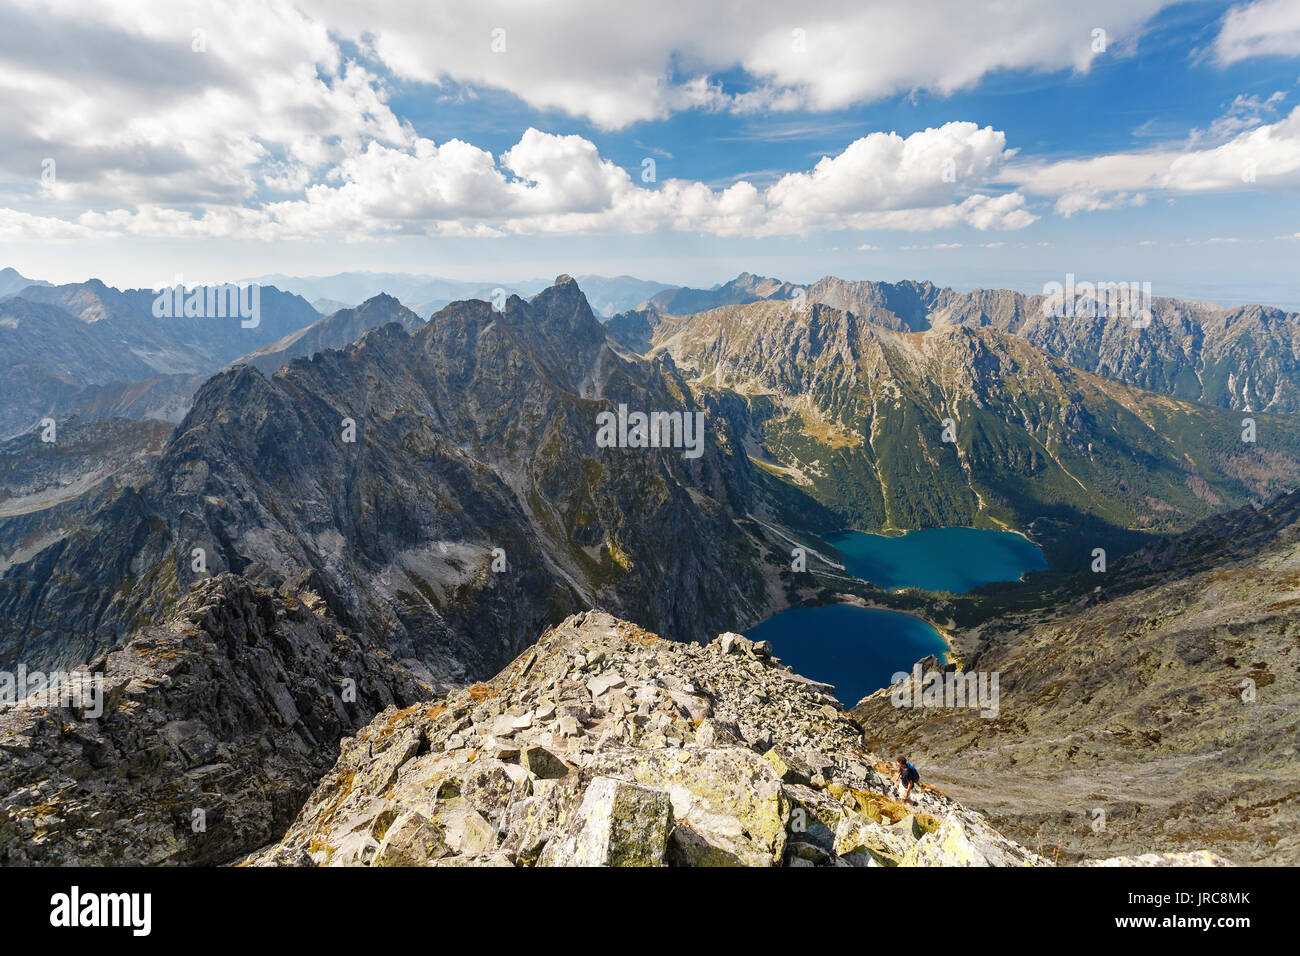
(608,762)
(789,768)
(728,802)
(541,763)
(618,824)
(964,840)
(411,840)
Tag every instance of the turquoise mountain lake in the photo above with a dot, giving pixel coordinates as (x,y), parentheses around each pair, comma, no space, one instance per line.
(860,649)
(938,559)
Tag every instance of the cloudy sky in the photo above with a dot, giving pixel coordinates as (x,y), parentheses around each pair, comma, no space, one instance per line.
(974,144)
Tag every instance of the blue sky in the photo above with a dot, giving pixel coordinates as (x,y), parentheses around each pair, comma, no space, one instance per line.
(973,145)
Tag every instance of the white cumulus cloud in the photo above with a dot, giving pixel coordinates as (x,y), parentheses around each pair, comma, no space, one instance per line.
(1260,28)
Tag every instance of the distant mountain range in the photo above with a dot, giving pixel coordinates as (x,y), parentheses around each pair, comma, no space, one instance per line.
(337,330)
(12,282)
(90,350)
(740,290)
(425,295)
(1245,357)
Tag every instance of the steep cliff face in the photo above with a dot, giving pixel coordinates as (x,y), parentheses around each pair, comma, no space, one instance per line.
(635,329)
(211,730)
(444,488)
(855,413)
(1154,714)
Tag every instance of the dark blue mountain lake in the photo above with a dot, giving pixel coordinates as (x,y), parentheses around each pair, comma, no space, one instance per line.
(938,559)
(859,649)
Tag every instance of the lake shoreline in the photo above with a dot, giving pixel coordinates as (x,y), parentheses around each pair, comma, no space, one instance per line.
(862,641)
(904,532)
(856,600)
(857,648)
(924,558)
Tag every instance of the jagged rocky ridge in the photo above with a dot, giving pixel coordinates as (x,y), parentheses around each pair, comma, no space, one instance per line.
(604,744)
(474,433)
(216,725)
(1241,357)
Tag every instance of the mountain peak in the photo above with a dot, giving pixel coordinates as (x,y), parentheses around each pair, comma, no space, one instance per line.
(563,308)
(383,299)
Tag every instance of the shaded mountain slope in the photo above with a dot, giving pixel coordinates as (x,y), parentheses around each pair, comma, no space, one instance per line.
(475,433)
(51,490)
(177,343)
(91,350)
(212,728)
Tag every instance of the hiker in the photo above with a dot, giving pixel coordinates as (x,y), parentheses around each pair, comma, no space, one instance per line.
(908,776)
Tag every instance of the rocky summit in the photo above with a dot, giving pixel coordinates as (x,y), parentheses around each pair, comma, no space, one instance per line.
(606,745)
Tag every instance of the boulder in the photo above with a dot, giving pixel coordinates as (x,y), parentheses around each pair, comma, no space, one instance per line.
(618,824)
(411,840)
(541,763)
